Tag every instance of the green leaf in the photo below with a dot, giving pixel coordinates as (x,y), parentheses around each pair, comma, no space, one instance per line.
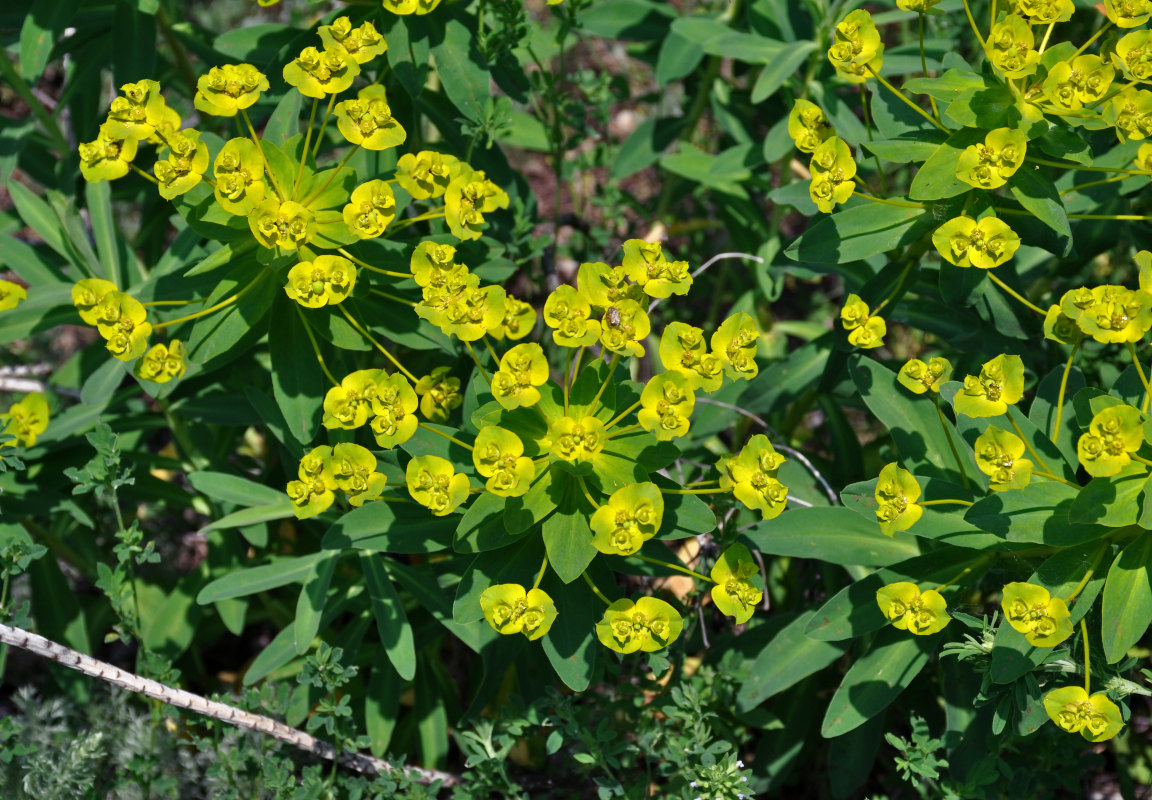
(923,440)
(29,263)
(281,509)
(463,72)
(571,645)
(38,34)
(568,538)
(788,659)
(684,514)
(521,513)
(836,535)
(859,232)
(310,604)
(876,679)
(679,57)
(1127,608)
(296,377)
(627,19)
(904,151)
(285,120)
(393,527)
(988,107)
(131,62)
(1112,502)
(428,593)
(1038,513)
(391,621)
(937,179)
(778,70)
(944,523)
(1037,194)
(382,706)
(482,526)
(218,337)
(947,86)
(259,579)
(234,489)
(409,53)
(519,563)
(1043,410)
(109,246)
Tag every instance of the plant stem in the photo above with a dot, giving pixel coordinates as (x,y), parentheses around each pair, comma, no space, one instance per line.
(972,22)
(868,129)
(315,345)
(1014,293)
(567,375)
(332,175)
(1087,576)
(595,589)
(885,200)
(387,272)
(903,97)
(260,147)
(377,345)
(715,490)
(1063,388)
(1139,366)
(540,575)
(1088,43)
(222,304)
(1028,445)
(449,437)
(479,366)
(1047,35)
(587,494)
(943,502)
(607,378)
(622,415)
(676,567)
(427,215)
(307,142)
(394,298)
(323,126)
(1044,162)
(622,431)
(1087,663)
(951,444)
(1080,186)
(13,78)
(924,62)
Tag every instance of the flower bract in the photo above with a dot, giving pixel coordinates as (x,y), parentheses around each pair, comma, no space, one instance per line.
(648,625)
(1033,611)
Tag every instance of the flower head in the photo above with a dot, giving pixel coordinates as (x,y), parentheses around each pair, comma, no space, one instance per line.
(1000,384)
(370,209)
(122,320)
(603,286)
(648,624)
(427,173)
(1045,12)
(286,225)
(363,43)
(568,314)
(227,90)
(864,330)
(808,126)
(519,320)
(162,363)
(499,456)
(405,7)
(184,166)
(319,73)
(919,378)
(896,494)
(1033,611)
(1128,13)
(239,171)
(1072,84)
(751,475)
(368,121)
(666,405)
(107,158)
(349,405)
(434,483)
(25,420)
(88,295)
(734,593)
(468,198)
(1133,55)
(576,440)
(683,349)
(394,406)
(315,489)
(1009,47)
(832,168)
(522,369)
(1113,435)
(1129,112)
(11,294)
(989,165)
(1059,327)
(439,394)
(734,343)
(909,609)
(1096,718)
(998,455)
(623,327)
(1116,314)
(328,280)
(966,242)
(856,47)
(646,265)
(631,516)
(509,609)
(136,112)
(353,468)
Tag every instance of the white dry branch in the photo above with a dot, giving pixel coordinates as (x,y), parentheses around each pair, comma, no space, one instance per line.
(369,765)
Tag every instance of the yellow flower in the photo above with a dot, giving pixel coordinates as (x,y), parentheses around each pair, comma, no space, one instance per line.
(519,320)
(326,281)
(88,294)
(395,407)
(432,263)
(371,209)
(808,126)
(966,242)
(499,456)
(1128,13)
(734,343)
(909,609)
(363,43)
(318,74)
(404,7)
(666,405)
(1133,55)
(286,225)
(1130,113)
(832,168)
(567,312)
(1096,718)
(631,516)
(603,286)
(439,394)
(991,164)
(1031,610)
(1085,79)
(427,173)
(1113,435)
(25,420)
(349,405)
(239,171)
(354,472)
(1059,327)
(1000,384)
(315,490)
(1045,12)
(645,263)
(468,198)
(11,294)
(1009,47)
(998,455)
(122,320)
(853,313)
(510,609)
(226,90)
(368,121)
(919,378)
(468,312)
(623,327)
(683,350)
(136,113)
(107,158)
(734,594)
(856,47)
(751,476)
(182,170)
(869,335)
(648,624)
(896,494)
(576,439)
(435,484)
(162,363)
(522,369)
(1117,315)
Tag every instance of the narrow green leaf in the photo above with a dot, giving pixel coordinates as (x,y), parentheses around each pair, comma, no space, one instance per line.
(234,489)
(788,659)
(281,509)
(259,579)
(394,527)
(836,535)
(937,179)
(310,604)
(859,232)
(1127,609)
(1038,195)
(297,380)
(391,621)
(571,644)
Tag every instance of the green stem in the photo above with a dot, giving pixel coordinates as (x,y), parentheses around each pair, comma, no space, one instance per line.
(1014,293)
(449,437)
(714,490)
(621,431)
(377,345)
(904,98)
(1087,576)
(896,290)
(965,571)
(943,502)
(1139,366)
(567,375)
(260,147)
(1087,662)
(1088,43)
(222,304)
(332,175)
(394,298)
(972,22)
(1044,162)
(315,345)
(427,215)
(951,444)
(607,378)
(924,64)
(595,589)
(1028,445)
(491,352)
(622,415)
(144,175)
(1047,36)
(1101,182)
(323,126)
(387,272)
(44,117)
(307,142)
(540,575)
(479,366)
(885,200)
(587,494)
(676,567)
(868,129)
(1063,388)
